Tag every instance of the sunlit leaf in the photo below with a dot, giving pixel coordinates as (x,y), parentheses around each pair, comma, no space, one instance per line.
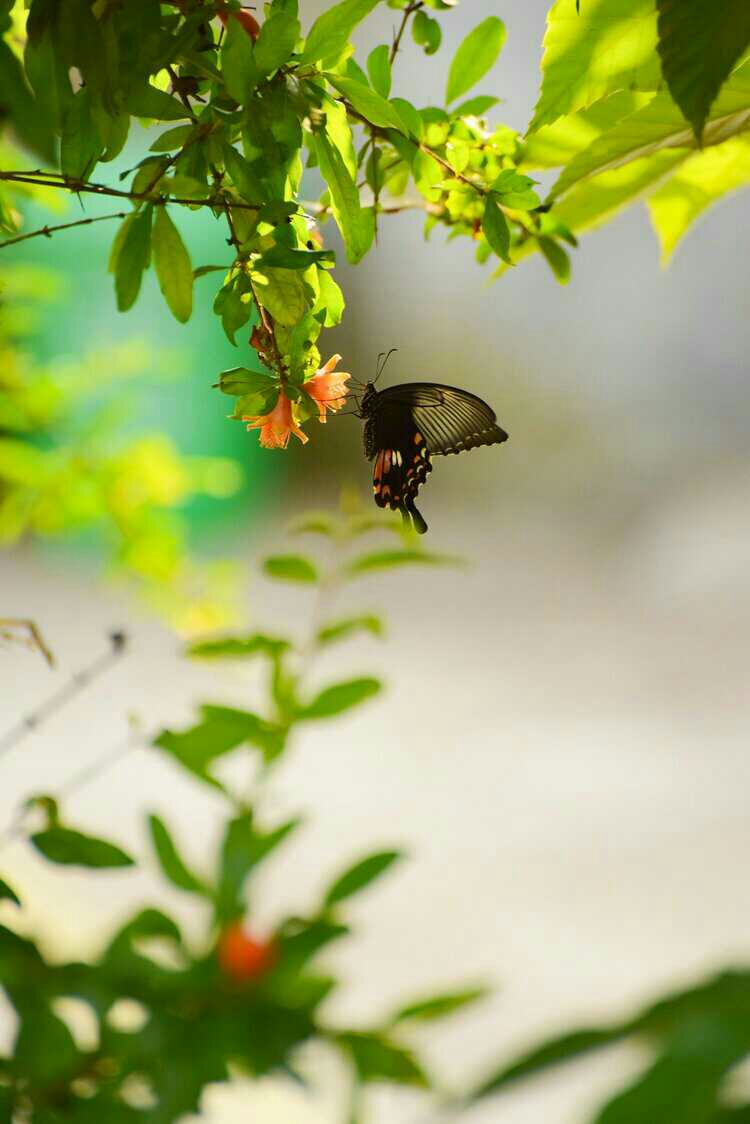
(699,43)
(426,32)
(278,35)
(701,181)
(373,107)
(379,69)
(356,223)
(609,45)
(330,33)
(475,56)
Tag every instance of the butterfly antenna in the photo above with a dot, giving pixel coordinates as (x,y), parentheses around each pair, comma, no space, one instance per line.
(383,358)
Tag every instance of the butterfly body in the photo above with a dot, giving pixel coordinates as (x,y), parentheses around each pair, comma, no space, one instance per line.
(406,425)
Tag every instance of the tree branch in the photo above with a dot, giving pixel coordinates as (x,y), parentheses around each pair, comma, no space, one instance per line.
(409,11)
(80,186)
(48,231)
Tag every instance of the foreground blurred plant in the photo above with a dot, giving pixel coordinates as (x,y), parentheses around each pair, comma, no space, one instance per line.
(238,999)
(64,468)
(249,103)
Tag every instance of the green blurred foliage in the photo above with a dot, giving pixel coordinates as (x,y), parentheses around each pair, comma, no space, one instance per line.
(68,464)
(234,1000)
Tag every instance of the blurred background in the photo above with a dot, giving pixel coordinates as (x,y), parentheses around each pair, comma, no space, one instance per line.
(563,745)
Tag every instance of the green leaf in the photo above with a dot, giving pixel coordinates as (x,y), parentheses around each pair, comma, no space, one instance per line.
(426,32)
(516,191)
(375,108)
(72,848)
(390,559)
(242,849)
(377,1059)
(239,381)
(496,229)
(559,142)
(474,107)
(244,176)
(239,647)
(170,859)
(290,568)
(81,144)
(439,1005)
(131,252)
(284,257)
(31,123)
(702,180)
(45,1051)
(330,33)
(551,1053)
(173,266)
(221,730)
(7,893)
(172,139)
(379,69)
(683,1083)
(238,66)
(147,101)
(409,114)
(284,293)
(609,46)
(356,877)
(558,259)
(330,299)
(342,696)
(657,126)
(341,630)
(357,224)
(476,55)
(277,39)
(699,43)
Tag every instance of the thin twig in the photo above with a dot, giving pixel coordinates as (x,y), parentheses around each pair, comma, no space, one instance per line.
(48,231)
(399,34)
(76,684)
(77,186)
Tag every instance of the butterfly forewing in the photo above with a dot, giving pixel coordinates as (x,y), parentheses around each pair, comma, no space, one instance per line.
(451,420)
(405,424)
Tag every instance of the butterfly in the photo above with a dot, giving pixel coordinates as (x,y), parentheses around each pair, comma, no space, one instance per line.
(406,425)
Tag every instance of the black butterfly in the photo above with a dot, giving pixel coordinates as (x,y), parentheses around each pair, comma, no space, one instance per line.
(406,425)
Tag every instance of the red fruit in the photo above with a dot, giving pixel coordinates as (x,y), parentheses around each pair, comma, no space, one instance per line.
(248,21)
(241,956)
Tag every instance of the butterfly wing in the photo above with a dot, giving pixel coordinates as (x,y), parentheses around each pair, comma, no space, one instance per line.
(449,420)
(402,460)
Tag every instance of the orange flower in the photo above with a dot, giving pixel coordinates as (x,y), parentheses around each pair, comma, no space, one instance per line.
(328,387)
(243,957)
(276,427)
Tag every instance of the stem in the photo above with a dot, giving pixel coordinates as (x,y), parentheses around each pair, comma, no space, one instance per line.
(399,34)
(262,314)
(48,231)
(78,186)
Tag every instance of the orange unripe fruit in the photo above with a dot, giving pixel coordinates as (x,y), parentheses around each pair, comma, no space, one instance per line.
(245,19)
(243,957)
